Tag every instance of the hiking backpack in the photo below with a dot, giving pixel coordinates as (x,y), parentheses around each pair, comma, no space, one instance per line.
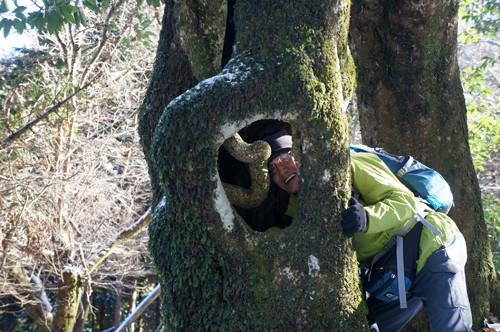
(423,181)
(433,190)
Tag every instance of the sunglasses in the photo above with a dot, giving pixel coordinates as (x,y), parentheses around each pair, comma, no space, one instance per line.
(280,160)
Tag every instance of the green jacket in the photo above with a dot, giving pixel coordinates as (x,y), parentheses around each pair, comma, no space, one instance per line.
(389,204)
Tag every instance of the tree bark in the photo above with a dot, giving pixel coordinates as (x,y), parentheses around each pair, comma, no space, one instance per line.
(83,309)
(68,298)
(292,64)
(117,315)
(171,76)
(411,102)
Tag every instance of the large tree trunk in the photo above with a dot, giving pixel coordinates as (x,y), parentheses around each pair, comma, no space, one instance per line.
(411,102)
(291,64)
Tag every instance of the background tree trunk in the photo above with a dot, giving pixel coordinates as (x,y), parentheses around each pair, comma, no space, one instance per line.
(83,309)
(292,64)
(68,295)
(411,102)
(117,314)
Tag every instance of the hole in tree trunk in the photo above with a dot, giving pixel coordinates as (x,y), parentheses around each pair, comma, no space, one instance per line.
(271,213)
(230,34)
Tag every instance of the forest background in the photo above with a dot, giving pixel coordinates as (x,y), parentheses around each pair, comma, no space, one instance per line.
(74,186)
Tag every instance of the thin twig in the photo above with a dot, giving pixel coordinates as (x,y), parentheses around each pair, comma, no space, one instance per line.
(120,238)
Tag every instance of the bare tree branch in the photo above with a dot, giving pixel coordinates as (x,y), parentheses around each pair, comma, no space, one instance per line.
(140,309)
(115,124)
(104,37)
(37,303)
(119,239)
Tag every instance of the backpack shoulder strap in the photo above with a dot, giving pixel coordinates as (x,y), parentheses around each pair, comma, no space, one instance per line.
(397,240)
(392,242)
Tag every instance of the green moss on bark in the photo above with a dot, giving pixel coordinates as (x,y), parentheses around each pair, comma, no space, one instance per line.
(218,273)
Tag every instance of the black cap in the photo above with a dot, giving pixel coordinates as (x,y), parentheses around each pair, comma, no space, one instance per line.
(280,142)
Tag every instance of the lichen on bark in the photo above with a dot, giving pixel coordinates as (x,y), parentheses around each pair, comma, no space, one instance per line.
(201,25)
(70,291)
(256,156)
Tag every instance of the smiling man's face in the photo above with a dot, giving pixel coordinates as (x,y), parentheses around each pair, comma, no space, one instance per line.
(284,173)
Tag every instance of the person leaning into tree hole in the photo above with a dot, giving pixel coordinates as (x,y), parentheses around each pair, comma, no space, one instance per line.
(384,207)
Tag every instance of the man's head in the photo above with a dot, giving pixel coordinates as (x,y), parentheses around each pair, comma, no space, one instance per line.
(281,164)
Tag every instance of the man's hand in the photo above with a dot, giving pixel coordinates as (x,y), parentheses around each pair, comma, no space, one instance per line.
(354,218)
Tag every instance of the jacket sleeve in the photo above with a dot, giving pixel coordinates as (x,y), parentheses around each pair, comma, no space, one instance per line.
(388,203)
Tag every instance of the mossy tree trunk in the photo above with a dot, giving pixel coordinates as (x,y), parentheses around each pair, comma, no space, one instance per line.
(290,63)
(171,76)
(68,296)
(411,102)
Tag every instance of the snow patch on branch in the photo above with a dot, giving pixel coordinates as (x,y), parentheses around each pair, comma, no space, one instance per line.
(72,270)
(42,294)
(233,75)
(289,274)
(228,130)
